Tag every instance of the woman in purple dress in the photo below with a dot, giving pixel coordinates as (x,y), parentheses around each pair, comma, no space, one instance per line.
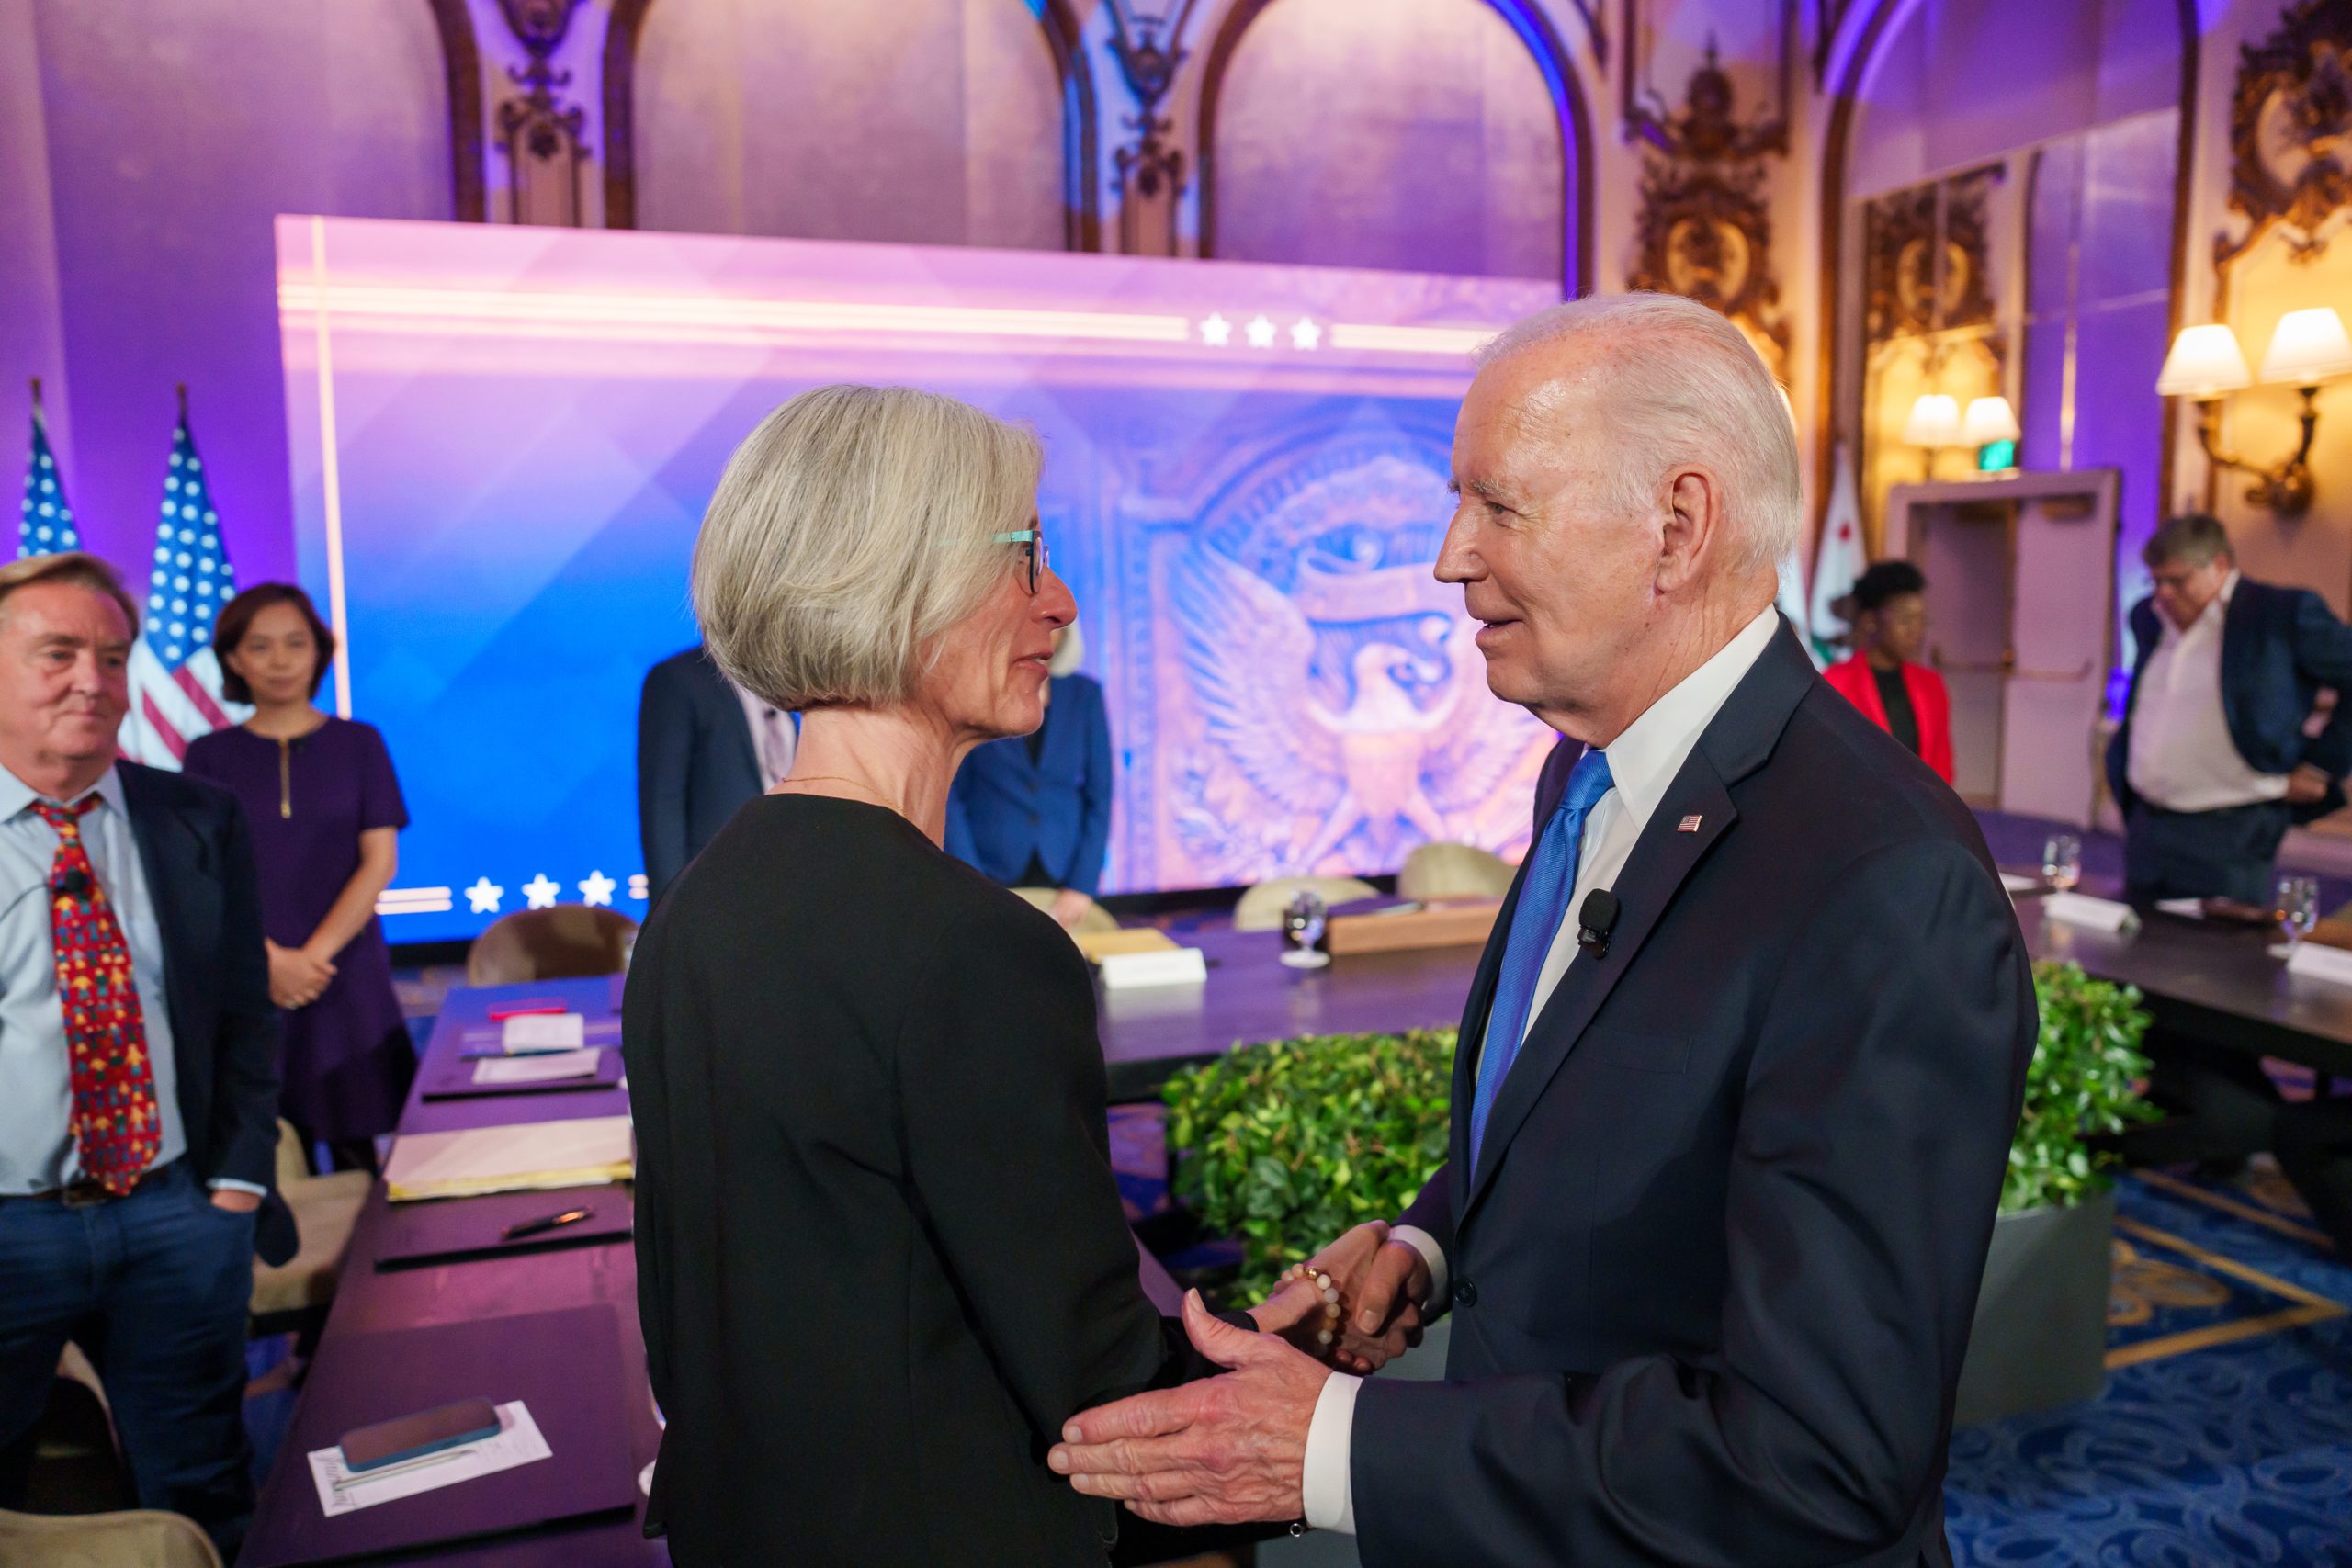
(326,817)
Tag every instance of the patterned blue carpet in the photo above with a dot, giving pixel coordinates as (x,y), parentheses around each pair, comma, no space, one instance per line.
(2225,1437)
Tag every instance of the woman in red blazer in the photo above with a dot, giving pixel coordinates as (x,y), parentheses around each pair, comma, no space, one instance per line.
(1901,696)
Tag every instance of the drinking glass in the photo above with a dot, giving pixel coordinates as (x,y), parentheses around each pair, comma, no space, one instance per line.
(2298,908)
(2062,861)
(1302,921)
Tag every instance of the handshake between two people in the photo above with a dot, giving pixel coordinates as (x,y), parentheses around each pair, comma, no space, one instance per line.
(1232,1449)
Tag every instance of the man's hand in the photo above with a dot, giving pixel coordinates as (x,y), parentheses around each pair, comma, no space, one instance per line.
(2307,785)
(1068,905)
(236,1202)
(1383,1284)
(1219,1451)
(296,977)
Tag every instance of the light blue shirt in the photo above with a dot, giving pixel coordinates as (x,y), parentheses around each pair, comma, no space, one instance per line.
(37,1148)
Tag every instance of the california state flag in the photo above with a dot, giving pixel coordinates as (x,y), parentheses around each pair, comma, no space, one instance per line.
(1838,562)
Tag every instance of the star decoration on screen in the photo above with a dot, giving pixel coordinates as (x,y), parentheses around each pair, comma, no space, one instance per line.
(541,892)
(1306,335)
(1216,332)
(484,896)
(1262,333)
(596,889)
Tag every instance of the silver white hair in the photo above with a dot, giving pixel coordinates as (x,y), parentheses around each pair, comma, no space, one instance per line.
(1691,387)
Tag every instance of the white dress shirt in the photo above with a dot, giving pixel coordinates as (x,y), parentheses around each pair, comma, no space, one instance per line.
(1643,763)
(774,738)
(2182,757)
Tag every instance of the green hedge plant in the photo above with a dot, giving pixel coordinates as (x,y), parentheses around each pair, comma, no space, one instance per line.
(1285,1145)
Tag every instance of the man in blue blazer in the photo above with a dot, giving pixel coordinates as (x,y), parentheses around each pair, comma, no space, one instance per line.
(138,1123)
(1737,1074)
(699,758)
(1034,810)
(2211,765)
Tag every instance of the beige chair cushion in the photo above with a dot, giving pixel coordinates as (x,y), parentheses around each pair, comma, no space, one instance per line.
(1260,908)
(1093,918)
(325,1208)
(569,941)
(138,1538)
(1454,871)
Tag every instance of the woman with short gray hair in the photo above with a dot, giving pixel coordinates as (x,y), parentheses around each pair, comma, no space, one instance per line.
(881,1257)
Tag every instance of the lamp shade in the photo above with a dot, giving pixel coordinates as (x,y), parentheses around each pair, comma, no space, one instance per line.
(2204,363)
(1988,419)
(1934,422)
(2308,347)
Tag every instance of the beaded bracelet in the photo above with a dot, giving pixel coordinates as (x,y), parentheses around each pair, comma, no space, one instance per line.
(1323,1282)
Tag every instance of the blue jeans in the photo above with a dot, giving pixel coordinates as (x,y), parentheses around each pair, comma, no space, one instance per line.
(155,1288)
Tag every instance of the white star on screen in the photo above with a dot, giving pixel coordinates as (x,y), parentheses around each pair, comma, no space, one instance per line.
(1262,333)
(484,896)
(1306,335)
(597,889)
(541,892)
(1216,332)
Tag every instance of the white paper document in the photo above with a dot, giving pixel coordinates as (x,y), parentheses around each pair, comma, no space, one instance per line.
(2186,908)
(545,1066)
(340,1492)
(2016,884)
(2321,962)
(544,1032)
(2098,914)
(576,1153)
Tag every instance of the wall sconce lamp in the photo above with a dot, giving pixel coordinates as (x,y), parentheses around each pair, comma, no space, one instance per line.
(1935,424)
(2205,364)
(1936,421)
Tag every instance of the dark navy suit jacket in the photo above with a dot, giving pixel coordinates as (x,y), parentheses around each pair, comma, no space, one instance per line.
(198,854)
(1004,807)
(1713,1278)
(2280,646)
(696,762)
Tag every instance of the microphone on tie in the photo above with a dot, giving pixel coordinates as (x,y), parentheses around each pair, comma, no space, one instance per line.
(74,883)
(1595,920)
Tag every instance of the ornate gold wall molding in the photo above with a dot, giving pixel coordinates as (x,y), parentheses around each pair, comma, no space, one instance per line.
(2291,132)
(1927,257)
(537,131)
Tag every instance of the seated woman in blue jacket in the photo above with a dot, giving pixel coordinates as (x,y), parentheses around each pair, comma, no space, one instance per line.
(1034,810)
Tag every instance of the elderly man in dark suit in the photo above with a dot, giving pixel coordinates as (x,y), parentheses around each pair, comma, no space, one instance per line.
(2211,765)
(704,747)
(137,1051)
(1738,1072)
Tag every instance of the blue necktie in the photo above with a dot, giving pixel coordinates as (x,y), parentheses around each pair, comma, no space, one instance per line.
(1542,900)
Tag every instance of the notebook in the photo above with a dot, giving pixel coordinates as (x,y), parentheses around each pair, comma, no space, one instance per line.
(506,1159)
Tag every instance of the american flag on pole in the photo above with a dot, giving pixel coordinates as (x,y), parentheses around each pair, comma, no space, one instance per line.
(47,524)
(174,679)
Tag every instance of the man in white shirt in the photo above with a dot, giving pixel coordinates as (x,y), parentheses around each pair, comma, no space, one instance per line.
(1737,1074)
(2211,763)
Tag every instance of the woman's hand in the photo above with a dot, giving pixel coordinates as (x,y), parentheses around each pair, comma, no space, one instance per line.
(297,976)
(1069,904)
(1295,1313)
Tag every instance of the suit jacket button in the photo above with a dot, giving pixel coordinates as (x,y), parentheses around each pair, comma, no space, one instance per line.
(1466,1293)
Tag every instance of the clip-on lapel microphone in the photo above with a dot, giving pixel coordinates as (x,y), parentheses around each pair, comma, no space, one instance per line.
(1595,920)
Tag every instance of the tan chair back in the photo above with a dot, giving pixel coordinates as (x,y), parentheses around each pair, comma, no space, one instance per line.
(1454,871)
(1093,918)
(136,1537)
(1262,907)
(566,943)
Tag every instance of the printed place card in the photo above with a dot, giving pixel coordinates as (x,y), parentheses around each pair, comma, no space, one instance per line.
(2081,909)
(544,1032)
(1175,967)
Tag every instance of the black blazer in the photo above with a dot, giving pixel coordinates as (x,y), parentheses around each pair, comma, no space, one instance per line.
(881,1257)
(696,762)
(2280,646)
(199,857)
(1714,1279)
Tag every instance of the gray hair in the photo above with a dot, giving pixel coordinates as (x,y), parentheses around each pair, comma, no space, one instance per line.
(850,529)
(1693,390)
(2192,539)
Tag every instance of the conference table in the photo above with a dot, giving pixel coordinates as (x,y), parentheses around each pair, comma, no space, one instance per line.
(2211,982)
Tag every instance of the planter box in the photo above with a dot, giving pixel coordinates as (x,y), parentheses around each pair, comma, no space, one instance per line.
(2041,1334)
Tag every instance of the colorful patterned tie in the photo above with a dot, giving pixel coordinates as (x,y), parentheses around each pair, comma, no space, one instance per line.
(117,1124)
(1543,901)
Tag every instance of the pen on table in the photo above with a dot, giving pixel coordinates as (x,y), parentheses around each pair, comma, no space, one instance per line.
(534,1227)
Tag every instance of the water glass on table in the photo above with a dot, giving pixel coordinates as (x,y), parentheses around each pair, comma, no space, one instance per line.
(2297,908)
(1303,923)
(2062,861)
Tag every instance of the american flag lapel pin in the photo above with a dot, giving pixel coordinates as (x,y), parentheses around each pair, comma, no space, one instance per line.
(1689,825)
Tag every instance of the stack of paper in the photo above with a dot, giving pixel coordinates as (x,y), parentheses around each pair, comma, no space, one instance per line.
(509,1159)
(538,1066)
(1099,945)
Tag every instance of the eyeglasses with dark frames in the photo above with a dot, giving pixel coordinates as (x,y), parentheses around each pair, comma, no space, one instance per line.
(1033,542)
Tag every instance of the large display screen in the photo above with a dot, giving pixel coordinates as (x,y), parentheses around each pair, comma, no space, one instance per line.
(504,439)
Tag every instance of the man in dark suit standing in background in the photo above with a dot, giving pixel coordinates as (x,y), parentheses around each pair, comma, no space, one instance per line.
(138,1063)
(1728,1138)
(2211,765)
(703,749)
